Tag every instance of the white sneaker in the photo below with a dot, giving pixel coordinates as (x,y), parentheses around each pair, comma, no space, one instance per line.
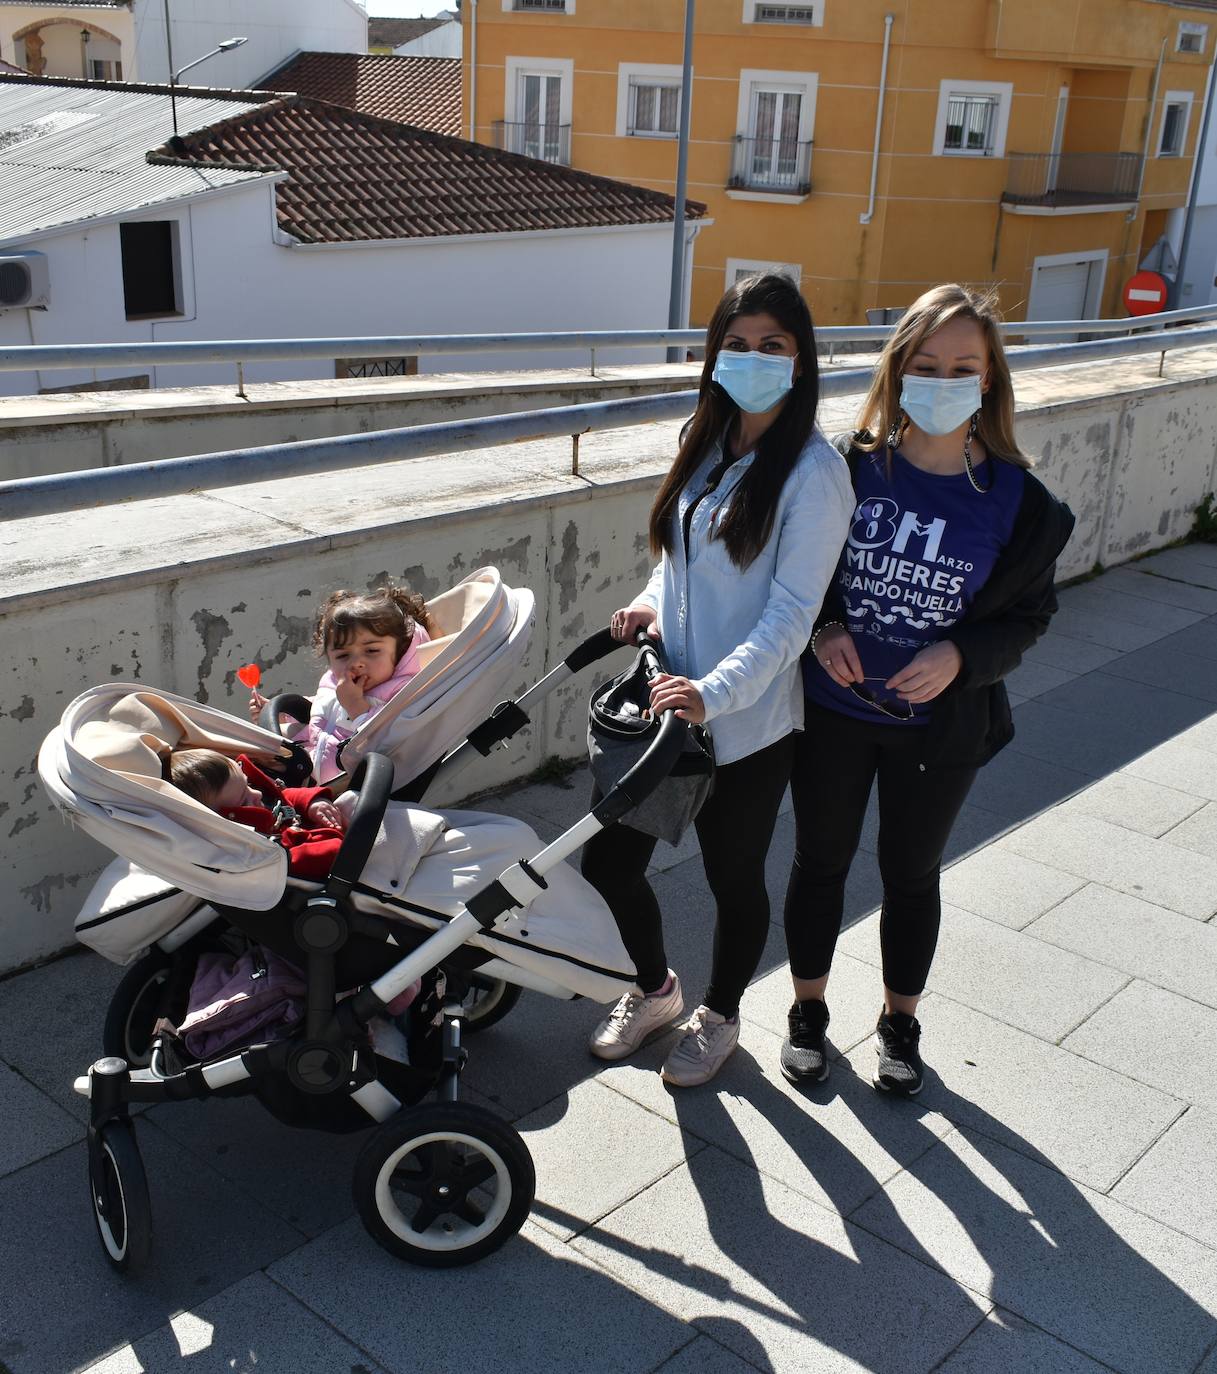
(636,1019)
(702,1050)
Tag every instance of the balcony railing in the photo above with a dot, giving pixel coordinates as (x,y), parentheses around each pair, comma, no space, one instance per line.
(549,142)
(780,165)
(1061,180)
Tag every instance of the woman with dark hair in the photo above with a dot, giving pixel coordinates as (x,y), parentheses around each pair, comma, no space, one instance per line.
(748,525)
(946,580)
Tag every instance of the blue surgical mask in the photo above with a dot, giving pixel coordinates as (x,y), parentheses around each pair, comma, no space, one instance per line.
(940,405)
(756,382)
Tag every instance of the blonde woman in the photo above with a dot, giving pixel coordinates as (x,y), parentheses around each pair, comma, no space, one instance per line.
(945,581)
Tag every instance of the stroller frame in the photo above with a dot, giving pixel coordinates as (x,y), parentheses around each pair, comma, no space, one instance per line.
(328,1056)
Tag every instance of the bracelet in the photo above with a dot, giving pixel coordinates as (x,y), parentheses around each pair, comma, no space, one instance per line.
(831,625)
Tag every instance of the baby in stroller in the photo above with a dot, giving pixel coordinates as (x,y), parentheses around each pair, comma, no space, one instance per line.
(371,642)
(459,899)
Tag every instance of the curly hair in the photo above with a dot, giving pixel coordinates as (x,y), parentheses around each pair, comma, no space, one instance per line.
(390,611)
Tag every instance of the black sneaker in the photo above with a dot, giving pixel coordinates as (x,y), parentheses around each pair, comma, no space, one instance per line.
(900,1069)
(804,1058)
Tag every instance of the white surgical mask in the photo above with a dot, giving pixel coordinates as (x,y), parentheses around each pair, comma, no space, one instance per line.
(940,405)
(756,382)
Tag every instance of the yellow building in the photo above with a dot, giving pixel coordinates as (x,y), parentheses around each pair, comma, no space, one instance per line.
(1036,144)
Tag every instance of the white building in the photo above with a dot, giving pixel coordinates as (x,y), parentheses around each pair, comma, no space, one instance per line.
(259,223)
(438,36)
(117,40)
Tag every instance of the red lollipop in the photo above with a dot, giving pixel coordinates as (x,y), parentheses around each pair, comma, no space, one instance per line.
(250,674)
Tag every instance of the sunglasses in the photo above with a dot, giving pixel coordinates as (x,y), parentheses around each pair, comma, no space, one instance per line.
(890,706)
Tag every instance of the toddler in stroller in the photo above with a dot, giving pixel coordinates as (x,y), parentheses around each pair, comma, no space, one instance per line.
(456,899)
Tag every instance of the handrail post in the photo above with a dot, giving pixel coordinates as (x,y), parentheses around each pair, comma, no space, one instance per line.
(241,380)
(593,360)
(574,455)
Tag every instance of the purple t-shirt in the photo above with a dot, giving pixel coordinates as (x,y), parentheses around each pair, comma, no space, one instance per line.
(920,547)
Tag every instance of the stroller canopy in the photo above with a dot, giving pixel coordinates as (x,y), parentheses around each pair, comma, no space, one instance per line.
(103,767)
(481,631)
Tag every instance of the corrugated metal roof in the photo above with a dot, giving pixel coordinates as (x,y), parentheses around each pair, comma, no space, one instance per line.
(73,153)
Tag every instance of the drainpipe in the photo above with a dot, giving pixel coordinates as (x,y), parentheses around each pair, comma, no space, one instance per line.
(473,71)
(874,166)
(1149,127)
(1176,286)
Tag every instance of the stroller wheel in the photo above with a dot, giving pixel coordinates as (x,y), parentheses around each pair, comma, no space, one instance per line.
(134,1008)
(119,1189)
(444,1183)
(487,1002)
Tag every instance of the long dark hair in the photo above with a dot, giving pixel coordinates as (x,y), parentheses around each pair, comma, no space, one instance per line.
(749,520)
(390,611)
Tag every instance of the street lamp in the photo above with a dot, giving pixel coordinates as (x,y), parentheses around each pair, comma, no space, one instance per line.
(226,45)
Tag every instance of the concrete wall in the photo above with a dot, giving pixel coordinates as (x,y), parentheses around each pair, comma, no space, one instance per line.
(442,41)
(238,283)
(178,593)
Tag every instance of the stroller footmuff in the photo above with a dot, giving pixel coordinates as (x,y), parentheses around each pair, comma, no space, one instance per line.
(453,912)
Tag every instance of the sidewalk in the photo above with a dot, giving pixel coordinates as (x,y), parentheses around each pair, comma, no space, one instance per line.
(1047,1204)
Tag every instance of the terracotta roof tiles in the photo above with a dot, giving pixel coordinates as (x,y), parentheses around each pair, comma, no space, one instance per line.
(354,177)
(425,91)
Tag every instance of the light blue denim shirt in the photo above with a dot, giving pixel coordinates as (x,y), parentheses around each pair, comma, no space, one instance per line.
(738,633)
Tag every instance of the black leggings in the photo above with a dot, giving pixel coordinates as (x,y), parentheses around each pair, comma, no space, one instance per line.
(734,827)
(836,762)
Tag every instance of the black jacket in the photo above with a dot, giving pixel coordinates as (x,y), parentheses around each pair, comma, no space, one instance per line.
(971,720)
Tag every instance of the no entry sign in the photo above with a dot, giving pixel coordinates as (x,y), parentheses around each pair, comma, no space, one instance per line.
(1145,293)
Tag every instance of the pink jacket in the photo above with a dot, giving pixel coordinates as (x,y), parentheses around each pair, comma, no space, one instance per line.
(329,725)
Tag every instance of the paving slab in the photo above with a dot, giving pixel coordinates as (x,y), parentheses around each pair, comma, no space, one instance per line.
(728,1249)
(1107,631)
(254,1327)
(1199,639)
(51,1020)
(1136,579)
(587,1125)
(1083,1118)
(1182,565)
(1060,650)
(1142,940)
(1135,803)
(1138,714)
(855,998)
(835,1142)
(1042,990)
(44,1126)
(1198,832)
(63,1306)
(1016,786)
(1003,1343)
(1172,1181)
(1029,679)
(1179,763)
(535,1304)
(1104,853)
(1006,887)
(1170,667)
(1099,599)
(1156,1037)
(705,1356)
(1114,1284)
(1069,739)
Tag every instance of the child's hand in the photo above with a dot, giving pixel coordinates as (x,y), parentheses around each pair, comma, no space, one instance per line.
(256,703)
(326,813)
(349,691)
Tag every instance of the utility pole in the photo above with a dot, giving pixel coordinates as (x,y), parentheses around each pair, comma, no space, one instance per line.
(1175,287)
(676,290)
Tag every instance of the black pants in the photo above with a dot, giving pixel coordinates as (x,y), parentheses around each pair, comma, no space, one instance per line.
(734,827)
(836,762)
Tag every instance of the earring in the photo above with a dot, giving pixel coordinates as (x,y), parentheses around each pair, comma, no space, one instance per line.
(895,435)
(967,455)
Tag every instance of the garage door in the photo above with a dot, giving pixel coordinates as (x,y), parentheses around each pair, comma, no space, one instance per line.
(1060,292)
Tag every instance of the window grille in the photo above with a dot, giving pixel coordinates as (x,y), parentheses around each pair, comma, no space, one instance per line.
(785,14)
(553,5)
(971,123)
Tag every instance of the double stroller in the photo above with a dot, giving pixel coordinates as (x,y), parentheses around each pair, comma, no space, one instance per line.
(459,909)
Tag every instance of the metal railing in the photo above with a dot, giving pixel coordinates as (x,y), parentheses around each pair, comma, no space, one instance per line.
(50,357)
(781,165)
(35,496)
(1065,179)
(548,142)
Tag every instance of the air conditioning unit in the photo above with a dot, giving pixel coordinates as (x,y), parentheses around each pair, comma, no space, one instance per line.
(25,281)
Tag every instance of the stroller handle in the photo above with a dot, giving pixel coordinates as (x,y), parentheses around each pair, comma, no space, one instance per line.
(373,781)
(602,643)
(299,766)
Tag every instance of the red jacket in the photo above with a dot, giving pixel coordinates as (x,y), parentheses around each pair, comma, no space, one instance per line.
(311,849)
